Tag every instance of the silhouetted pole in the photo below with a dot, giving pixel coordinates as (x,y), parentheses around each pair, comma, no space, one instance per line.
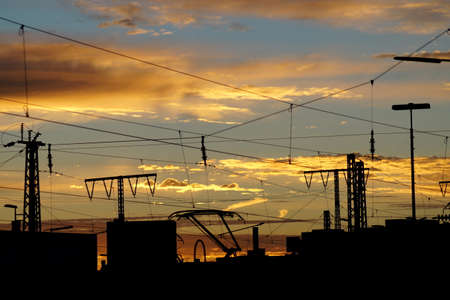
(411,107)
(32,199)
(255,232)
(13,207)
(15,224)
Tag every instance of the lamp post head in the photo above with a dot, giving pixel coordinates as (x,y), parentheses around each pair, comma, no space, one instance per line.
(411,106)
(421,59)
(10,206)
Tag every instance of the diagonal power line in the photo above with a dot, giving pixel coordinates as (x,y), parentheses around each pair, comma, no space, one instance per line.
(195,76)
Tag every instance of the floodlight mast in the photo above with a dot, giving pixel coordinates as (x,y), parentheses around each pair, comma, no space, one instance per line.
(411,107)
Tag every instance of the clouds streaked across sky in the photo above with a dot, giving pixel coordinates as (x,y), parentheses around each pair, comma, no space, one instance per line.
(293,51)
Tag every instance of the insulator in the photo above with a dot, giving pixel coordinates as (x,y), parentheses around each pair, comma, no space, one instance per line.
(204,157)
(372,143)
(50,164)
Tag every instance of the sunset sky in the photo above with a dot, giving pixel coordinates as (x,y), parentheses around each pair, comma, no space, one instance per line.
(206,68)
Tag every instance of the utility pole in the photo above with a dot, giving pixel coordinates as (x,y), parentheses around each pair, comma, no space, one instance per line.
(326,220)
(31,193)
(337,208)
(120,188)
(356,192)
(31,200)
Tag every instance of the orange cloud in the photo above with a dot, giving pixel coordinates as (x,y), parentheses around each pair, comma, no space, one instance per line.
(182,187)
(159,168)
(287,93)
(69,77)
(241,204)
(314,66)
(389,174)
(283,213)
(395,16)
(66,76)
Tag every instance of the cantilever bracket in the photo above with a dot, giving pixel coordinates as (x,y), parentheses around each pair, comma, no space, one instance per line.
(90,192)
(108,192)
(443,186)
(308,183)
(133,189)
(150,186)
(325,181)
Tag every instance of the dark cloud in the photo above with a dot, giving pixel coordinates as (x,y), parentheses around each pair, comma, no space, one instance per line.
(56,70)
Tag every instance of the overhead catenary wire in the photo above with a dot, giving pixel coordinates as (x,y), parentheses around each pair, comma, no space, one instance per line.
(154,126)
(294,105)
(295,213)
(181,163)
(371,121)
(221,83)
(85,127)
(326,136)
(146,202)
(103,49)
(337,92)
(365,83)
(412,53)
(132,136)
(210,165)
(123,134)
(17,154)
(191,143)
(186,168)
(142,138)
(375,122)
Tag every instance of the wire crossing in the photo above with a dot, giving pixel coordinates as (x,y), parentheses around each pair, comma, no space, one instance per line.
(90,45)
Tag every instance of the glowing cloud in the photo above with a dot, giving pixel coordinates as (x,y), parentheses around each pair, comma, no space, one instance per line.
(283,213)
(159,168)
(246,203)
(182,187)
(76,187)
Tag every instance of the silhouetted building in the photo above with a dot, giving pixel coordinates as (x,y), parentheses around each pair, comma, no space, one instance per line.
(402,243)
(44,251)
(141,245)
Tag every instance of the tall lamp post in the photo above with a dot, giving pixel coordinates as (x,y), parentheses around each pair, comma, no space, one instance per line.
(13,207)
(16,223)
(411,107)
